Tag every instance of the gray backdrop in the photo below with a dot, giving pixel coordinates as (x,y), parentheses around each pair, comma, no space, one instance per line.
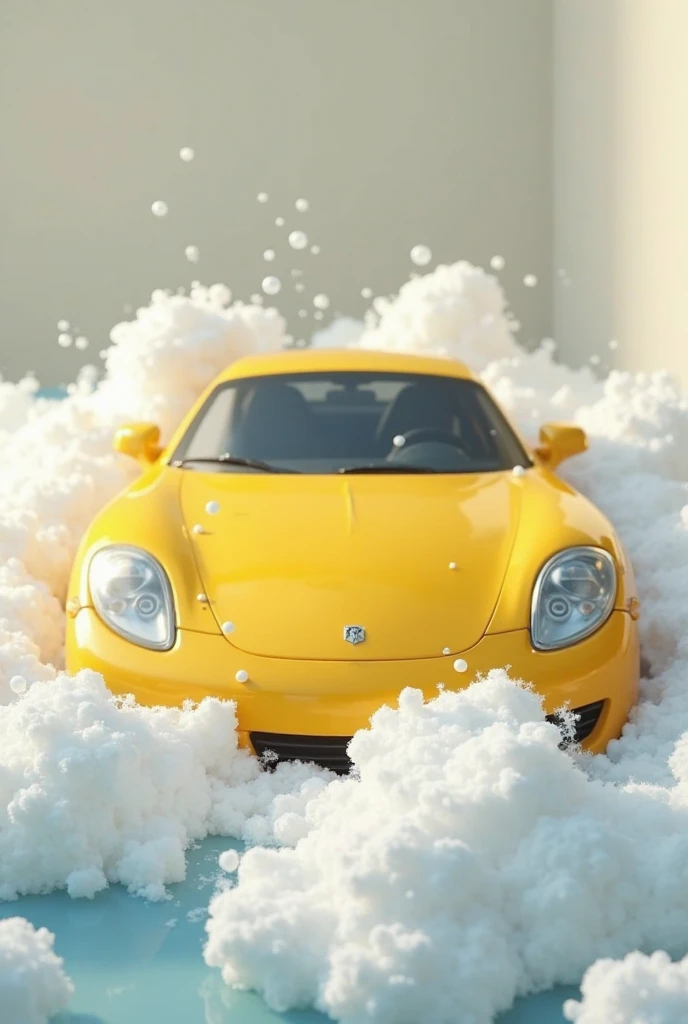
(400,121)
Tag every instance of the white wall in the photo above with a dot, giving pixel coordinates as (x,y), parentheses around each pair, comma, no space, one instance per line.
(401,121)
(621,180)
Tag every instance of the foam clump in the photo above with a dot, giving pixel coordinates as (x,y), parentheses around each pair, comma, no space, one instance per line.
(639,989)
(33,984)
(95,789)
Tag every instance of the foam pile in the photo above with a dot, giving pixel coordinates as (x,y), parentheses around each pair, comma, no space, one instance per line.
(33,985)
(472,860)
(636,990)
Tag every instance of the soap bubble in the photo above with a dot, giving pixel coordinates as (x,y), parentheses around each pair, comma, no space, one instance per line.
(421,255)
(212,508)
(299,286)
(367,293)
(262,197)
(302,313)
(186,153)
(257,299)
(460,665)
(518,470)
(241,676)
(530,280)
(18,684)
(269,255)
(498,263)
(301,205)
(228,627)
(271,285)
(160,208)
(315,249)
(229,861)
(65,340)
(63,325)
(398,440)
(613,343)
(279,221)
(321,301)
(319,315)
(192,253)
(81,342)
(298,239)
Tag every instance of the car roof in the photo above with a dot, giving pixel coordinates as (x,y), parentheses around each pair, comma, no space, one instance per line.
(345,359)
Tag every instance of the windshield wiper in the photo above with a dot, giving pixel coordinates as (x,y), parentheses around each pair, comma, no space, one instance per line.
(238,460)
(387,468)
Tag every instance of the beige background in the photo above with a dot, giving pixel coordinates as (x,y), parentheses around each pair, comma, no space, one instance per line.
(621,180)
(401,122)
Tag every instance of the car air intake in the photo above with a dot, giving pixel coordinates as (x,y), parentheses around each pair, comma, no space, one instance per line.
(587,718)
(330,751)
(327,751)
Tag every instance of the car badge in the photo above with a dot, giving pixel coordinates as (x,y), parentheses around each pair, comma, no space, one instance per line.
(354,634)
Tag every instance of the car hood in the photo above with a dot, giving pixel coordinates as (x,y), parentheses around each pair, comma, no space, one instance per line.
(292,560)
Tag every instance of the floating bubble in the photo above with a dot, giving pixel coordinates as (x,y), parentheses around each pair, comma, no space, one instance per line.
(81,342)
(63,325)
(319,315)
(298,239)
(212,508)
(613,343)
(279,221)
(262,197)
(186,153)
(421,255)
(198,529)
(302,205)
(321,301)
(315,249)
(498,263)
(192,253)
(518,470)
(367,293)
(398,440)
(257,299)
(219,294)
(160,208)
(452,565)
(446,650)
(296,273)
(530,280)
(202,598)
(241,676)
(18,684)
(595,360)
(460,665)
(271,285)
(228,627)
(299,286)
(302,313)
(269,255)
(229,860)
(65,340)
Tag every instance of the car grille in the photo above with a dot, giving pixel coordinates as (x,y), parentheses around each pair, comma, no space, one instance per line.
(327,751)
(587,718)
(330,751)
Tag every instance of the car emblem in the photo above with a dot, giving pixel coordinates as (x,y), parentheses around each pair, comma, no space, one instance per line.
(354,634)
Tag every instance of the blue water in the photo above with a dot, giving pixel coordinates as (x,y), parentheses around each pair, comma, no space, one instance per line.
(132,965)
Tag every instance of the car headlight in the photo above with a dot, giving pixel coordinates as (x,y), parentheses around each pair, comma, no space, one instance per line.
(573,596)
(132,595)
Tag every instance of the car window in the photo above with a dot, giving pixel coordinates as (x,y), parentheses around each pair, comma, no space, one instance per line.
(350,421)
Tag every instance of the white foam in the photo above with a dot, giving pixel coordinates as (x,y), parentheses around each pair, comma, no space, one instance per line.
(636,990)
(33,984)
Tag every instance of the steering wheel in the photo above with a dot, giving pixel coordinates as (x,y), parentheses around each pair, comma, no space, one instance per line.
(419,435)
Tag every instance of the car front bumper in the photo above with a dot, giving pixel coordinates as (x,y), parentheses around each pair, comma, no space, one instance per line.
(335,698)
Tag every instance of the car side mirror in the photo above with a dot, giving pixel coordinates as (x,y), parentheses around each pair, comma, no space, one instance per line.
(559,441)
(141,441)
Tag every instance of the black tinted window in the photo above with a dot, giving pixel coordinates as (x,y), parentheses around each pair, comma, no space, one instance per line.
(332,422)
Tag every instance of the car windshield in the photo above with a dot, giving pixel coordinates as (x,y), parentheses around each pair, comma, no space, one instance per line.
(350,422)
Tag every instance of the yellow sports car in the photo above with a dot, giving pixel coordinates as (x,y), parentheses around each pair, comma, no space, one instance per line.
(326,528)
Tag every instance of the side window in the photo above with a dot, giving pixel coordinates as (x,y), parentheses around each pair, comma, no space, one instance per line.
(214,428)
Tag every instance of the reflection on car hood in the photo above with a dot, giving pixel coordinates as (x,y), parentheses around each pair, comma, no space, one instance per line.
(292,560)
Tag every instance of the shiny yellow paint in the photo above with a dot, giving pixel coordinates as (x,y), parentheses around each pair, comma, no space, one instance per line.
(429,564)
